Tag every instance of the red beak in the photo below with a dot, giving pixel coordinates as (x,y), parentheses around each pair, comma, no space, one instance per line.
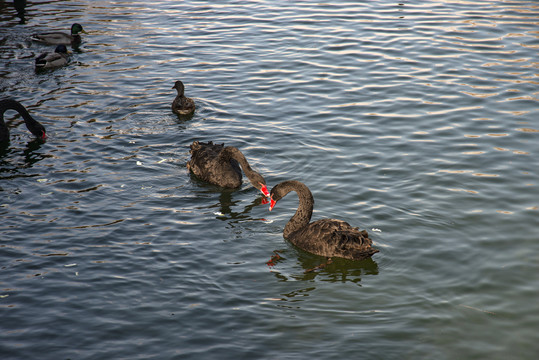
(272,203)
(264,190)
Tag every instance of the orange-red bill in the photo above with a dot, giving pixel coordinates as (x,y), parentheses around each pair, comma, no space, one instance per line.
(272,203)
(264,190)
(271,262)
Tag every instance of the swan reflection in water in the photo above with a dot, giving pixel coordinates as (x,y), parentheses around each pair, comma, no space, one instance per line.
(336,270)
(11,165)
(226,204)
(20,7)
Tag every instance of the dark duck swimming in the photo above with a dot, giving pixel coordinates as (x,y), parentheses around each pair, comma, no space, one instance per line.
(182,105)
(325,237)
(61,38)
(49,60)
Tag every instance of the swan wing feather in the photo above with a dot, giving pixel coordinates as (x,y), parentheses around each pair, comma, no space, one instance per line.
(332,237)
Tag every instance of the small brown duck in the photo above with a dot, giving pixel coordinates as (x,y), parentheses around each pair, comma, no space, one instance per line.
(182,105)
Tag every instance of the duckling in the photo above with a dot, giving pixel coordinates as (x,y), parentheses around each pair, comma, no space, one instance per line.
(60,38)
(182,105)
(49,60)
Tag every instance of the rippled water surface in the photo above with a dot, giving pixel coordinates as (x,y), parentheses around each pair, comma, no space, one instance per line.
(417,121)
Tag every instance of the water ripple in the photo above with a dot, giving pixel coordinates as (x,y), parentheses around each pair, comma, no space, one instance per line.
(413,121)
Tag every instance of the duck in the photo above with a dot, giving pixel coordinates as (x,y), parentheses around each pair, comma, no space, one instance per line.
(32,124)
(61,38)
(324,237)
(49,60)
(220,165)
(182,105)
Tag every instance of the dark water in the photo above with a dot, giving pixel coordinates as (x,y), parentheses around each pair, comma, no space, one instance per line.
(418,122)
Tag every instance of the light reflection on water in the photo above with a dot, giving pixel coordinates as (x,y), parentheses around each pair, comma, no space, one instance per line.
(413,121)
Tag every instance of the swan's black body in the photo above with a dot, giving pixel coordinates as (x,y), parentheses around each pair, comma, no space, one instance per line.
(220,166)
(32,124)
(325,237)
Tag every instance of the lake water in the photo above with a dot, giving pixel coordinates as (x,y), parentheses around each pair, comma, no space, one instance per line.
(417,121)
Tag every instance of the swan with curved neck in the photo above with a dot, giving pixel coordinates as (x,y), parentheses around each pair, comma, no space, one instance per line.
(182,105)
(325,237)
(32,124)
(220,165)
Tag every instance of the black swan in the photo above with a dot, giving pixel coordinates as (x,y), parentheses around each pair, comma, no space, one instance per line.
(325,237)
(60,38)
(49,60)
(182,105)
(220,166)
(32,124)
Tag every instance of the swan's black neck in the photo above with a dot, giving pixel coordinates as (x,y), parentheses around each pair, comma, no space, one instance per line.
(231,152)
(303,214)
(32,124)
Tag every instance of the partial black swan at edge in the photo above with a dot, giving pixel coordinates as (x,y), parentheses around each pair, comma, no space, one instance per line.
(220,166)
(325,237)
(32,124)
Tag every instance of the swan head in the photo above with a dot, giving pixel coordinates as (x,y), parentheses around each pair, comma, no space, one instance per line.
(275,196)
(258,182)
(280,190)
(178,85)
(43,134)
(38,130)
